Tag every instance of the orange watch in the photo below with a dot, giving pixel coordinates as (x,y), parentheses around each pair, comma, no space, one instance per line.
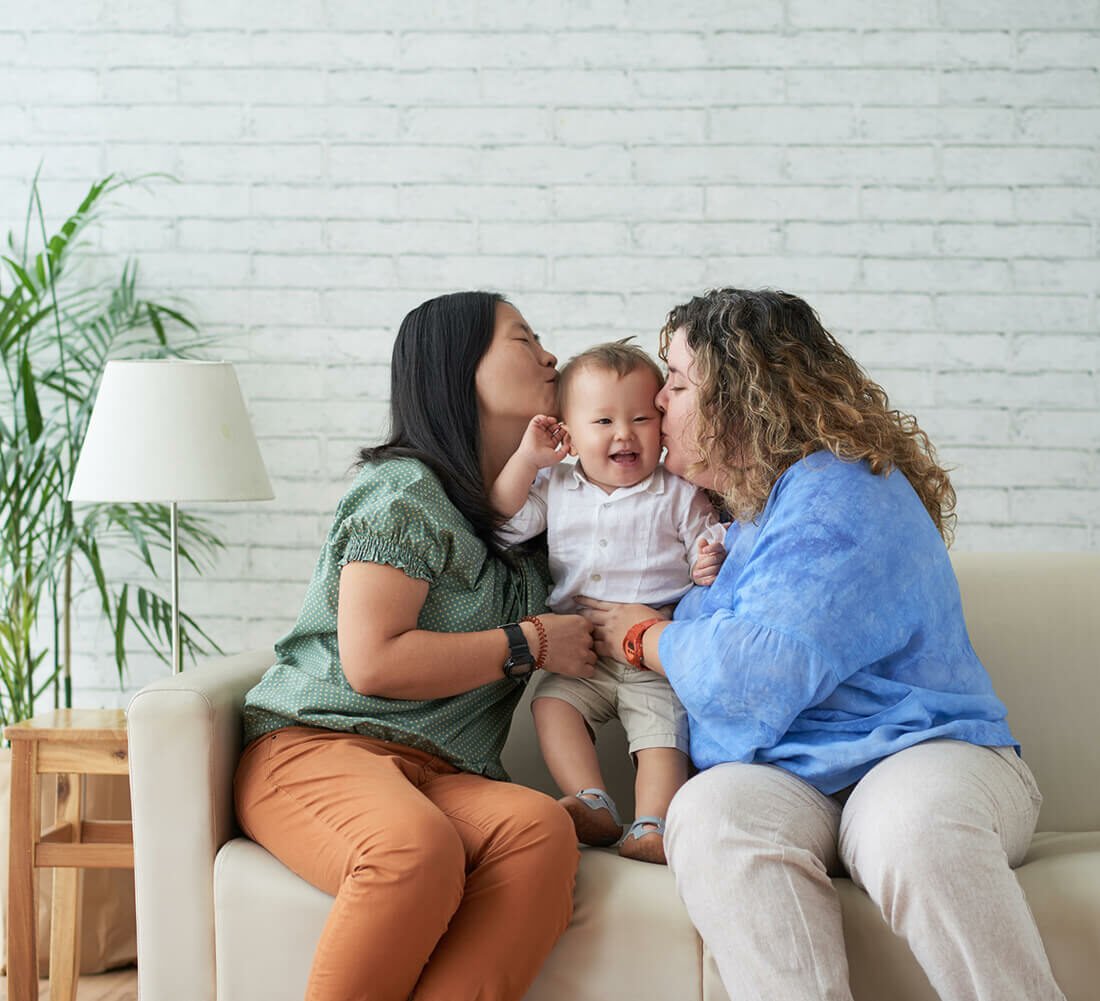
(632,642)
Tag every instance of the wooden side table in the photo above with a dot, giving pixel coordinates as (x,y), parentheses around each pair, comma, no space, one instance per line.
(69,744)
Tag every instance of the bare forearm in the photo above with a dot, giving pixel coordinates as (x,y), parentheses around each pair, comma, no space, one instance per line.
(424,665)
(651,656)
(510,490)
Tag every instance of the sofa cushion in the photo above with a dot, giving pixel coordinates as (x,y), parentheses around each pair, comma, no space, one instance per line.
(630,936)
(267,922)
(1061,878)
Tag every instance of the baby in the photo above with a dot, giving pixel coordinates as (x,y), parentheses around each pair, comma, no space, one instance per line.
(619,528)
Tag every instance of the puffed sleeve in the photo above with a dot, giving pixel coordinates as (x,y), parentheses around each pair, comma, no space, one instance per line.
(821,595)
(529,520)
(392,516)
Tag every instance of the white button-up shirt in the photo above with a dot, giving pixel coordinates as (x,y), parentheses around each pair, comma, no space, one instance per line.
(635,544)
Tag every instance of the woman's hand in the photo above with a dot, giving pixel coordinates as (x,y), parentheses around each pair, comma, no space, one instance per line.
(545,442)
(569,645)
(611,620)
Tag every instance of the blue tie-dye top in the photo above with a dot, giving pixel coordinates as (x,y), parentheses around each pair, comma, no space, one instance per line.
(833,636)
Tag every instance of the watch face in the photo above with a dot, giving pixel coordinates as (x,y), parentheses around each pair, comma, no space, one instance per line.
(518,668)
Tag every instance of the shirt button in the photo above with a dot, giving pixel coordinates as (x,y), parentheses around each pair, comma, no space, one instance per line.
(596,576)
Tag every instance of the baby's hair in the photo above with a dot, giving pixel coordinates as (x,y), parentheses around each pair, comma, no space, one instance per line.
(619,357)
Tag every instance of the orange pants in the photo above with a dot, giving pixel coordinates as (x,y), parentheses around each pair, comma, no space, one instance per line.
(449,886)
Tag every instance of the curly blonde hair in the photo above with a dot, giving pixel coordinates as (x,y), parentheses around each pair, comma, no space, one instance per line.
(776,386)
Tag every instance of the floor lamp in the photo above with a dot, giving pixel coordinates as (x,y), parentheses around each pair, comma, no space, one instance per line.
(170,432)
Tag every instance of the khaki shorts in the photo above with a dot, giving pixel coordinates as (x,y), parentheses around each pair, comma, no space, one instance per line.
(641,700)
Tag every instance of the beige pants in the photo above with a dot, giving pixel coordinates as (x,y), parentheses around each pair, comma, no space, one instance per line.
(930,833)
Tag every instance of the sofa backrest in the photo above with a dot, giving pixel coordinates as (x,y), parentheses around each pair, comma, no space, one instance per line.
(1034,620)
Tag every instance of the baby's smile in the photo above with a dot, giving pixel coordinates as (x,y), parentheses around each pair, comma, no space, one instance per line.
(614,427)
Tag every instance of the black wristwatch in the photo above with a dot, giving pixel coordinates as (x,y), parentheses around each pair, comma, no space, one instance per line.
(520,663)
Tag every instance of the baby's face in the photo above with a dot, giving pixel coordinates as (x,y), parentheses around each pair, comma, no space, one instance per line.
(614,426)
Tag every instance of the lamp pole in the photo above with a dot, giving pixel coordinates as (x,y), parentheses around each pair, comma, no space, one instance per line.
(177,655)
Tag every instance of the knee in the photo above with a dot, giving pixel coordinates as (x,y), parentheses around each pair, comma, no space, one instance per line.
(540,829)
(750,811)
(552,827)
(422,849)
(694,796)
(704,803)
(695,820)
(693,803)
(542,857)
(903,842)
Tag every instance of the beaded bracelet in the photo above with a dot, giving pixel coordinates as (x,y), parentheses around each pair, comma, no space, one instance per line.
(544,643)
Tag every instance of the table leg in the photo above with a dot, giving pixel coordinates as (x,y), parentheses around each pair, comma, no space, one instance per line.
(22,914)
(67,881)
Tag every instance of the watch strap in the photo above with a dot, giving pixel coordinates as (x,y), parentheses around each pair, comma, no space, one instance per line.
(520,662)
(632,642)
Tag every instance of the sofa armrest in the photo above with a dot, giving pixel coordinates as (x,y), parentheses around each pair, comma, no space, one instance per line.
(185,739)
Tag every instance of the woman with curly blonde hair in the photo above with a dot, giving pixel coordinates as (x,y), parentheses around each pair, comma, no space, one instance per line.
(839,717)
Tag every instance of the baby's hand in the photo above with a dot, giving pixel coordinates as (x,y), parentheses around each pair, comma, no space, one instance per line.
(711,557)
(545,442)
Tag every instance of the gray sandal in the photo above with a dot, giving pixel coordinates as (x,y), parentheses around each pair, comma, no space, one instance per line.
(632,846)
(635,830)
(591,827)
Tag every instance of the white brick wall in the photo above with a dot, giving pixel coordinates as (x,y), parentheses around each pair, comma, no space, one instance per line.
(925,173)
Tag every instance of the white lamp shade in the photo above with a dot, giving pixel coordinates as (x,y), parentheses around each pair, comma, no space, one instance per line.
(169,431)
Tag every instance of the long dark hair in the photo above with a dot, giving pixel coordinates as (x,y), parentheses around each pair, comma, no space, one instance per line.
(433,400)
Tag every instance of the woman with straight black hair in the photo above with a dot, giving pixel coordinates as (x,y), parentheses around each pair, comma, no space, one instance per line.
(434,397)
(372,766)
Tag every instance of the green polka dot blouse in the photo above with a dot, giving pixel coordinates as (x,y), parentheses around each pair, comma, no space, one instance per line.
(397,513)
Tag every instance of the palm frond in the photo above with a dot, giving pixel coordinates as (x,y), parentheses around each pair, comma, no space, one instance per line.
(57,333)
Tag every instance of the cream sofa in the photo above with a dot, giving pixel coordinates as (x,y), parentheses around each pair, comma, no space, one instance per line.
(220,917)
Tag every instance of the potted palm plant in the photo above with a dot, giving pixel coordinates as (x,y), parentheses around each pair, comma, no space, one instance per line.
(58,329)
